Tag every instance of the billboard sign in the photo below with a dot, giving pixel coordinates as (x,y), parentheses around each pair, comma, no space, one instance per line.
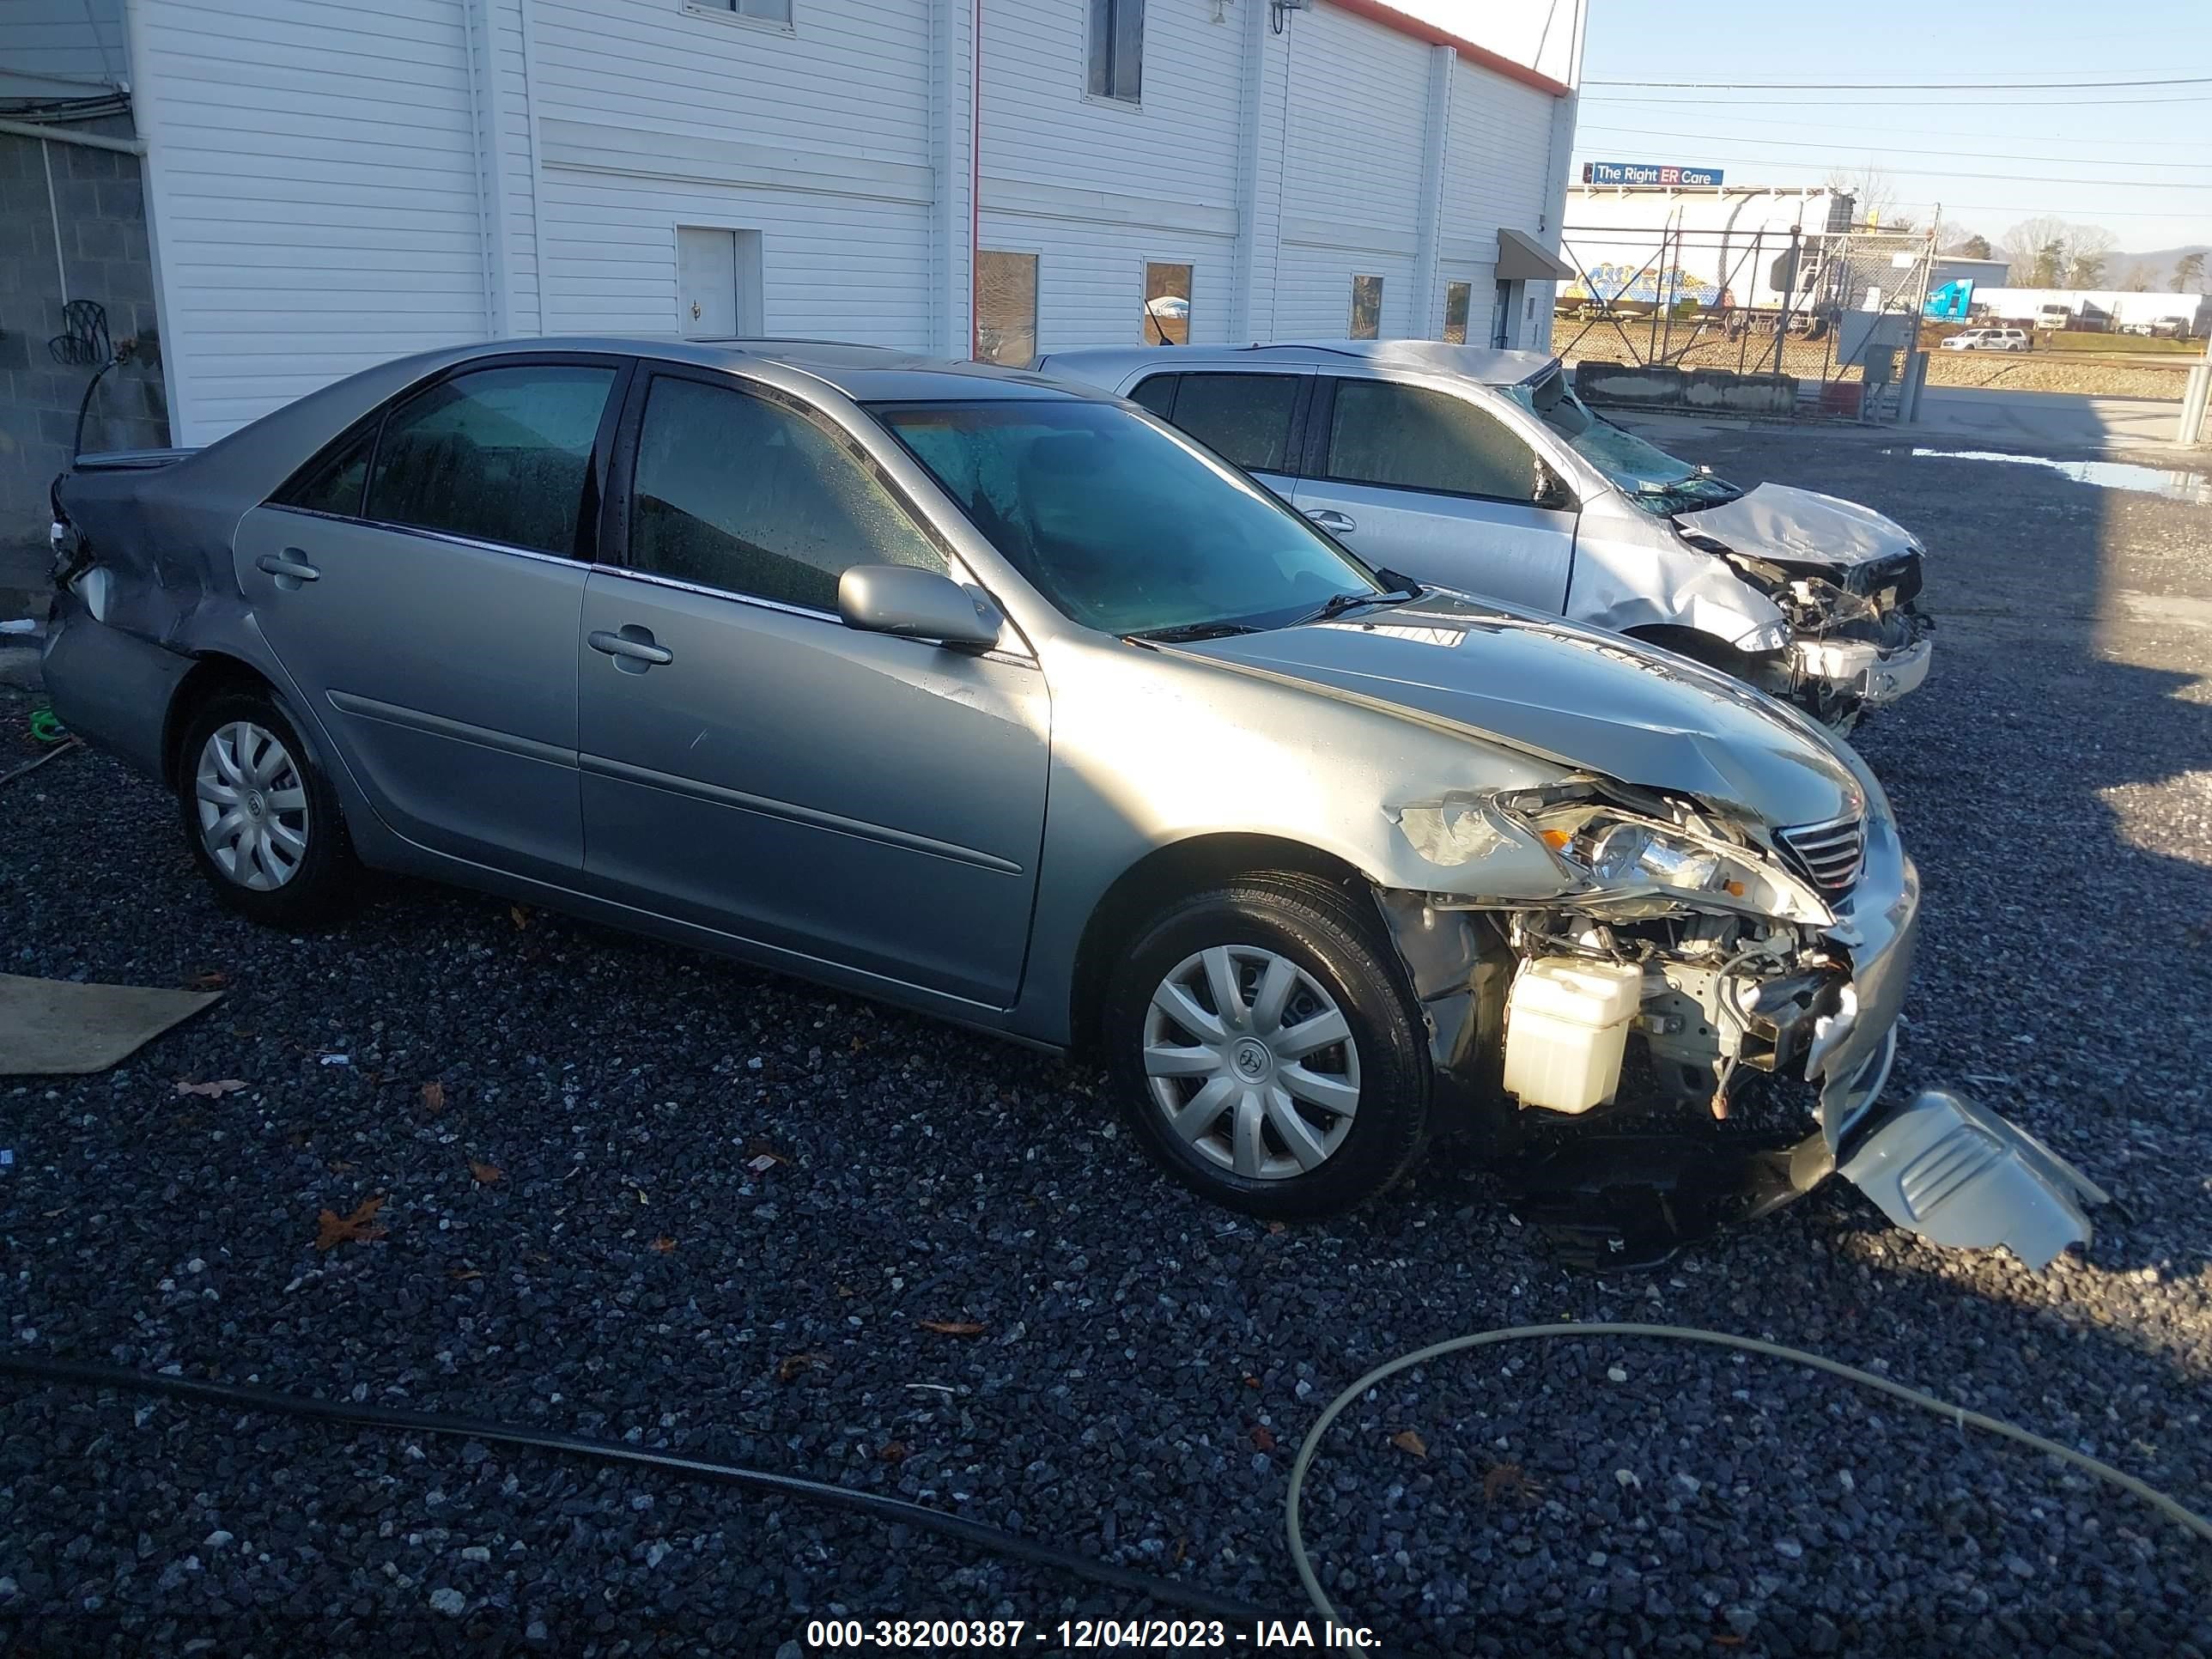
(1645,173)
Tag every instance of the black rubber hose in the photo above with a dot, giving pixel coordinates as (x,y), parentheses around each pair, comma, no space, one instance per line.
(1166,1591)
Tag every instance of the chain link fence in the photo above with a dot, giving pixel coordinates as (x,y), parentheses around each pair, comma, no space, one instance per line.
(1723,319)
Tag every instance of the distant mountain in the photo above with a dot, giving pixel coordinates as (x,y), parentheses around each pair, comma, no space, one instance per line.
(2161,260)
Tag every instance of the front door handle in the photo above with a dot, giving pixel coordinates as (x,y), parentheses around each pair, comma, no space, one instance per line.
(1337,524)
(632,648)
(291,568)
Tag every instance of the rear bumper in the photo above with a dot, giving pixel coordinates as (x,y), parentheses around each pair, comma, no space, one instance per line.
(111,688)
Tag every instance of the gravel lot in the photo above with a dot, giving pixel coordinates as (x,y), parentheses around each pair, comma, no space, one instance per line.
(1146,1364)
(2155,376)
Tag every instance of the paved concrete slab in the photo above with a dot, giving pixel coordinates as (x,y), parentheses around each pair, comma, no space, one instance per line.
(2057,419)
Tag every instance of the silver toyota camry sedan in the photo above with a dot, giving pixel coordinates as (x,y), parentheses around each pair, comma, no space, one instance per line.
(1010,703)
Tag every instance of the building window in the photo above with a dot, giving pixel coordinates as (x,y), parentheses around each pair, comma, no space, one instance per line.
(1456,298)
(1366,308)
(1167,304)
(1005,308)
(761,11)
(1117,49)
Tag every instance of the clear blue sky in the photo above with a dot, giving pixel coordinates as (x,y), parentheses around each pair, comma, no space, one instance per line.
(2140,168)
(2151,163)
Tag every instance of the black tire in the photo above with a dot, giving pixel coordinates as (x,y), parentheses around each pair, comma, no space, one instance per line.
(321,880)
(1324,933)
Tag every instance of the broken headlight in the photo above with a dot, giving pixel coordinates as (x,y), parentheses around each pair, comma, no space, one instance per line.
(1622,855)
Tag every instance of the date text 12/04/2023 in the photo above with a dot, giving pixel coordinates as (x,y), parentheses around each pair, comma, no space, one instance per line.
(1083,1635)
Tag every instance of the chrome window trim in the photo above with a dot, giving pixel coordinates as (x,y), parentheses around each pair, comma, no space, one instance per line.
(446,536)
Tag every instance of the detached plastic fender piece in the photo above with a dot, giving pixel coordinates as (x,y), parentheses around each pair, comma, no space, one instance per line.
(1962,1176)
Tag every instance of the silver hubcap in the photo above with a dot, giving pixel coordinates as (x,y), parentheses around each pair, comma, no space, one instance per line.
(253,805)
(1250,1061)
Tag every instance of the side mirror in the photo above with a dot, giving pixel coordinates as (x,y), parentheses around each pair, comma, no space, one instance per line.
(916,605)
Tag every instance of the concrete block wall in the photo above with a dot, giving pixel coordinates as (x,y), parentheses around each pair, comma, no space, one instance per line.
(97,203)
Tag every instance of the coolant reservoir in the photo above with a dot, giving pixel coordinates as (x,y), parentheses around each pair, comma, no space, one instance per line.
(1566,1027)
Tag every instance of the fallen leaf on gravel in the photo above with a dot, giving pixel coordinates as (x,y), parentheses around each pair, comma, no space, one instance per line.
(1263,1437)
(520,916)
(894,1453)
(207,982)
(332,1230)
(793,1366)
(1251,1382)
(229,1086)
(1406,1441)
(1274,1226)
(463,1273)
(486,1174)
(434,1097)
(663,1244)
(951,1327)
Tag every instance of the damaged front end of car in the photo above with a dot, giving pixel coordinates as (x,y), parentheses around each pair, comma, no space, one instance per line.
(1847,581)
(1602,1032)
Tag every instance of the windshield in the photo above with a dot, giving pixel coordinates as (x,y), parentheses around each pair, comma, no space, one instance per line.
(1121,526)
(1648,475)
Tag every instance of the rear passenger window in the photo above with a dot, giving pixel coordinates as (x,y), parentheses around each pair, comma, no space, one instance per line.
(735,492)
(499,455)
(1416,439)
(1245,418)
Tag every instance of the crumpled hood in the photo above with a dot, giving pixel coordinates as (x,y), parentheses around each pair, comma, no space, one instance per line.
(1588,700)
(1801,526)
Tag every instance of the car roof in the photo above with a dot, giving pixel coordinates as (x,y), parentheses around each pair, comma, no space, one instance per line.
(1485,364)
(866,374)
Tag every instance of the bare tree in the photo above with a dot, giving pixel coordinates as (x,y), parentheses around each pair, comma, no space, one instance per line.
(2140,278)
(2028,245)
(1874,194)
(1952,237)
(2088,250)
(2046,252)
(2188,272)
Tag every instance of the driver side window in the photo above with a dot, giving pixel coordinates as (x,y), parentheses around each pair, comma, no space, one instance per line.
(1409,437)
(736,492)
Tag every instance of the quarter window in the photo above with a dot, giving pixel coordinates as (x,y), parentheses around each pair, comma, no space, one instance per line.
(1244,418)
(1416,439)
(738,493)
(1117,49)
(332,481)
(499,455)
(766,11)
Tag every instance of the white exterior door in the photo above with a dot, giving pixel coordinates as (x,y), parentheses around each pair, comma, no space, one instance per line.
(718,282)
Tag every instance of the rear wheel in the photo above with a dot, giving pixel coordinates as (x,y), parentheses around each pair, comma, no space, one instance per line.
(1267,1050)
(262,820)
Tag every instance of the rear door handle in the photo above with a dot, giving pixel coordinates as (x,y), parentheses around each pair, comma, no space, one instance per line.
(1337,524)
(290,567)
(632,648)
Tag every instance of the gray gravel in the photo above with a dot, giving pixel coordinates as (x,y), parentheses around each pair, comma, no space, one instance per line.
(630,1273)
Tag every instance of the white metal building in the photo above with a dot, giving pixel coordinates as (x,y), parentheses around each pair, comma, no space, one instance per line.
(330,184)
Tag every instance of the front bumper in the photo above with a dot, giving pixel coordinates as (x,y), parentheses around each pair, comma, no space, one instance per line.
(1860,671)
(1937,1164)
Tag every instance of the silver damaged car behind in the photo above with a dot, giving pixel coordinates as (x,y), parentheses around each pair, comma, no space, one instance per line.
(1481,469)
(1013,704)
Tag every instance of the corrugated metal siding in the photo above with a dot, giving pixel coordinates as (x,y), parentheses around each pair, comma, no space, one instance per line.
(1498,156)
(1352,185)
(653,116)
(48,45)
(315,189)
(1096,188)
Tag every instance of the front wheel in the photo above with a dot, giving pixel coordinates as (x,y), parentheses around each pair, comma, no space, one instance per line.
(1267,1050)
